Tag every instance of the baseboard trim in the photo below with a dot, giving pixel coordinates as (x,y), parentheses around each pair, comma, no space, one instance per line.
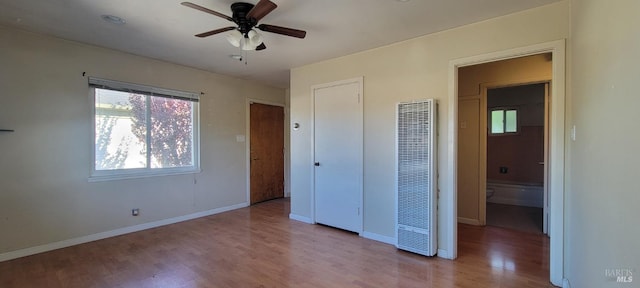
(468,221)
(378,237)
(444,254)
(301,218)
(517,202)
(112,233)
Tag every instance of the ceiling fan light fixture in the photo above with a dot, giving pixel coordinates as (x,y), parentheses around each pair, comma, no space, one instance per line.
(246,44)
(251,40)
(255,38)
(235,37)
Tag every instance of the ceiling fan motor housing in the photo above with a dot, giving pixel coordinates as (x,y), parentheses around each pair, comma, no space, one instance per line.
(240,11)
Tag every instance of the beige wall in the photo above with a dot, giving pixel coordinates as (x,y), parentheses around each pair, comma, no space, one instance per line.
(503,72)
(44,193)
(287,140)
(602,209)
(413,69)
(470,153)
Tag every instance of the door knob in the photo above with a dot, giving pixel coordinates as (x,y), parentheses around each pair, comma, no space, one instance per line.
(316,164)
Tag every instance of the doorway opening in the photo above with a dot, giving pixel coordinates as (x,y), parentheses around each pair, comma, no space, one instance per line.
(516,154)
(556,150)
(502,103)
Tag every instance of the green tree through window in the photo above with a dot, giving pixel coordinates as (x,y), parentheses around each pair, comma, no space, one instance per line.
(139,133)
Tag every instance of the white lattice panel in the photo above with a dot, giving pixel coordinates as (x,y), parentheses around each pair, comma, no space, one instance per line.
(416,189)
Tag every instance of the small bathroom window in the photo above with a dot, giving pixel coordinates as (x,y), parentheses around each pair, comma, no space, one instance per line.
(503,121)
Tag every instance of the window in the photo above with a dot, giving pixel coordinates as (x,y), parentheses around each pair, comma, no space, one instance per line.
(141,130)
(503,121)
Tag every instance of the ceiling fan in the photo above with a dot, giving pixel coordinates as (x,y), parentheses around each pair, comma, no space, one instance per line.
(246,16)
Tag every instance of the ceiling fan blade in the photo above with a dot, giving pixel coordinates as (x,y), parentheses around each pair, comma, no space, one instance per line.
(261,47)
(206,10)
(213,32)
(261,9)
(282,30)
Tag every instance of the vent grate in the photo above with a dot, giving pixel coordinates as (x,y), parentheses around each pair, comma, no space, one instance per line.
(413,241)
(415,184)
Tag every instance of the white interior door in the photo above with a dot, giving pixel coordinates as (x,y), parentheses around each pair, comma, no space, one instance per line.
(338,155)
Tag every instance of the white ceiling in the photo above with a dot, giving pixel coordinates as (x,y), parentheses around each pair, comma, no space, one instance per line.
(164,29)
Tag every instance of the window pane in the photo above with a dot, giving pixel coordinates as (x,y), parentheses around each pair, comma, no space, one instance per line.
(171,133)
(497,121)
(119,134)
(511,124)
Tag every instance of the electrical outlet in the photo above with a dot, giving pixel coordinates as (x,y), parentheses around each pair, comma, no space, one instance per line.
(135,212)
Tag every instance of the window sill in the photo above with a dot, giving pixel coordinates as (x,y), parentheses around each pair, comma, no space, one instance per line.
(504,134)
(112,177)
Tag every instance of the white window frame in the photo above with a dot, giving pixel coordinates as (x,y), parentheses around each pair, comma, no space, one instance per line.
(117,174)
(504,123)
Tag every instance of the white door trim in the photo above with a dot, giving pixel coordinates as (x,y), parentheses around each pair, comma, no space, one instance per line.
(359,81)
(247,138)
(556,151)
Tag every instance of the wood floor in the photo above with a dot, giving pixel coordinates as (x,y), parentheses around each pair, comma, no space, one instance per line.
(260,247)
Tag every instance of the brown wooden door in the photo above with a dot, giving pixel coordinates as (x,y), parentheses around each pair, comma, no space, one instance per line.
(267,152)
